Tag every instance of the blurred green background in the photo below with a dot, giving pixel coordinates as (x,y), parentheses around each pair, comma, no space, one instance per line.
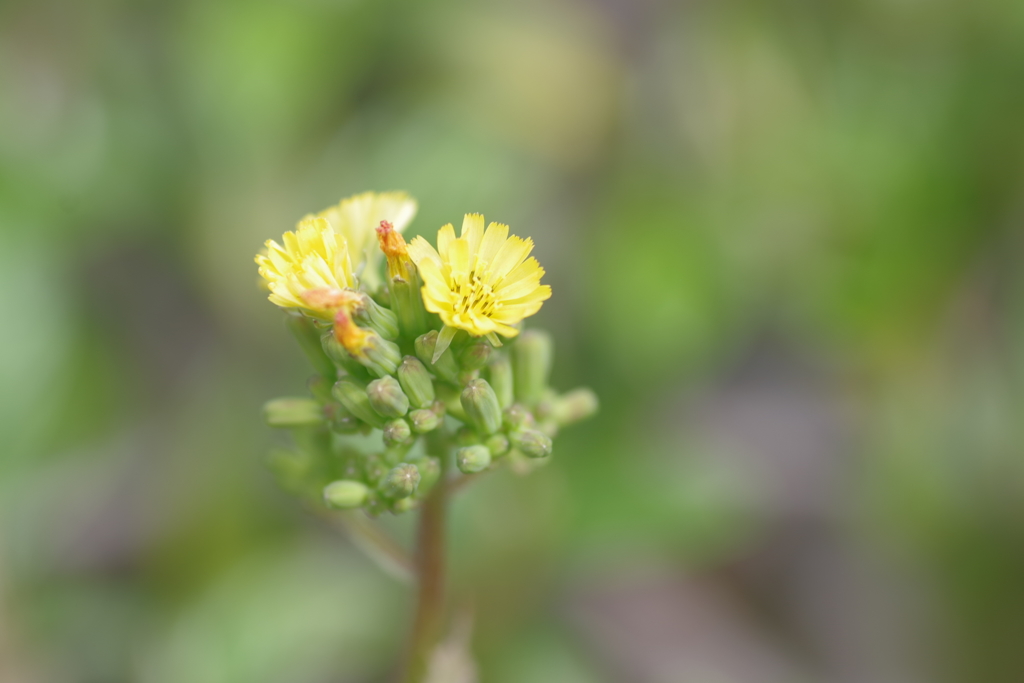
(785,240)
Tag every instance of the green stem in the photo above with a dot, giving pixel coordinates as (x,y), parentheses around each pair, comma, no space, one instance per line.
(430,568)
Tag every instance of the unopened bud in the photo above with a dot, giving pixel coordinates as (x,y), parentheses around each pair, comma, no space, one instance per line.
(516,416)
(293,412)
(481,406)
(474,356)
(445,368)
(401,481)
(416,382)
(499,373)
(387,398)
(404,282)
(381,320)
(531,364)
(346,494)
(473,459)
(397,432)
(342,358)
(531,443)
(354,398)
(578,404)
(380,356)
(497,444)
(424,420)
(430,472)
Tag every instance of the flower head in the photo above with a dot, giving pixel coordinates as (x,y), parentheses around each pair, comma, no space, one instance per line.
(356,219)
(313,257)
(482,282)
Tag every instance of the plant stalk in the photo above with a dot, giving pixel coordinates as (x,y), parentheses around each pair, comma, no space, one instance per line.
(430,569)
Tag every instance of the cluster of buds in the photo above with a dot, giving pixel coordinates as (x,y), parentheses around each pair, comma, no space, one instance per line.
(412,379)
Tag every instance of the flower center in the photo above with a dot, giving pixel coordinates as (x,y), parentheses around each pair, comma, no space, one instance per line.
(475,295)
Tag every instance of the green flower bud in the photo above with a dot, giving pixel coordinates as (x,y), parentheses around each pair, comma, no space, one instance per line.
(416,382)
(578,404)
(516,416)
(293,412)
(531,442)
(424,420)
(430,472)
(497,444)
(401,481)
(345,494)
(371,314)
(499,374)
(473,459)
(308,336)
(387,398)
(340,420)
(474,356)
(403,505)
(342,358)
(531,365)
(445,368)
(353,396)
(481,406)
(397,432)
(380,356)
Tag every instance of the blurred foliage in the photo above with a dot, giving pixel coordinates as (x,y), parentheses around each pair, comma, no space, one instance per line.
(785,243)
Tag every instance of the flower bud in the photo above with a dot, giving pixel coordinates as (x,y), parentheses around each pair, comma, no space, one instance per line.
(342,358)
(451,400)
(531,365)
(445,367)
(531,443)
(354,398)
(497,444)
(499,374)
(403,505)
(397,432)
(308,336)
(473,459)
(404,282)
(430,472)
(340,420)
(416,382)
(516,416)
(387,398)
(401,481)
(481,406)
(345,494)
(424,420)
(474,356)
(380,356)
(578,404)
(382,320)
(293,412)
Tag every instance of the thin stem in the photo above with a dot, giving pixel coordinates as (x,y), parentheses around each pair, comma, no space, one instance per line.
(430,567)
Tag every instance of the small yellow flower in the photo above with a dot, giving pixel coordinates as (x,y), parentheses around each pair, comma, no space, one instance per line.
(314,257)
(481,282)
(356,219)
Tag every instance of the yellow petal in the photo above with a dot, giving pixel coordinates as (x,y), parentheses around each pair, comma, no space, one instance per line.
(445,237)
(513,252)
(473,232)
(421,250)
(495,236)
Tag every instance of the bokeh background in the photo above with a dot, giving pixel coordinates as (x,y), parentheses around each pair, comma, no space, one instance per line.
(785,240)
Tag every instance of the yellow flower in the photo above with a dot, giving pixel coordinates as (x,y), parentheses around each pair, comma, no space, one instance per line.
(314,257)
(481,282)
(356,219)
